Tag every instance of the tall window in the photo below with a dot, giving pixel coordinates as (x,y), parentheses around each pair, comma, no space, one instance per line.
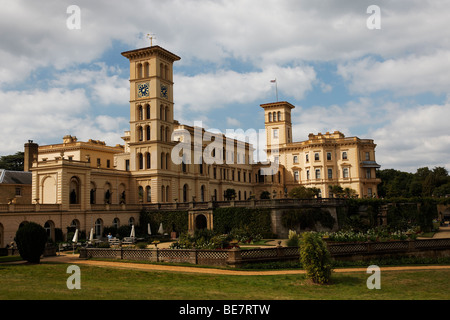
(307,174)
(344,155)
(367,156)
(317,173)
(328,156)
(275,133)
(295,160)
(316,156)
(330,173)
(368,174)
(296,176)
(185,193)
(345,172)
(148,191)
(148,160)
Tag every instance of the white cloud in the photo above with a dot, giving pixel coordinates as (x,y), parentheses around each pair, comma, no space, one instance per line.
(233,122)
(206,92)
(409,75)
(417,137)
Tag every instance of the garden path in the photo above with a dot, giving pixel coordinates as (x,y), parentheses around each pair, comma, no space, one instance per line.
(70,258)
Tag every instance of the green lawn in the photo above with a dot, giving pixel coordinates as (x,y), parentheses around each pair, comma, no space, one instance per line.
(47,281)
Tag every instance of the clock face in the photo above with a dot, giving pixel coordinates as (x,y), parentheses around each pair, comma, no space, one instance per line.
(163,91)
(143,89)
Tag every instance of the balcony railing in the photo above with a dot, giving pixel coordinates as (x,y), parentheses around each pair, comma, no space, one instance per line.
(265,203)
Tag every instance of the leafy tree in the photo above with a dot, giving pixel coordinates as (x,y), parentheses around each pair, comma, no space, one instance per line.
(31,239)
(336,190)
(265,195)
(12,162)
(302,192)
(230,194)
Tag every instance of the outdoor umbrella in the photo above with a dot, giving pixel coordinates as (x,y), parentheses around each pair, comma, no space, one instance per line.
(74,240)
(161,230)
(75,236)
(132,235)
(149,230)
(91,235)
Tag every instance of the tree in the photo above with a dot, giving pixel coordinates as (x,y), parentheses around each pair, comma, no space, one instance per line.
(336,190)
(31,239)
(12,162)
(302,192)
(230,194)
(265,195)
(315,257)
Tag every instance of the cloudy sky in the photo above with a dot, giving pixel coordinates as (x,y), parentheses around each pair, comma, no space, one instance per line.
(389,84)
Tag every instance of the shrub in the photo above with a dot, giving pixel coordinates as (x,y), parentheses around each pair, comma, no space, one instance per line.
(31,239)
(315,258)
(293,239)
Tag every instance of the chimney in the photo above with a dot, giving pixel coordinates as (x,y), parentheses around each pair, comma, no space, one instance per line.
(30,155)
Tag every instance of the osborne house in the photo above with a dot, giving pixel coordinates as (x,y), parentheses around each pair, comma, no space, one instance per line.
(88,184)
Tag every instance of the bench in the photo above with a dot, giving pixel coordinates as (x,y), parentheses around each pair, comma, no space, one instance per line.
(128,240)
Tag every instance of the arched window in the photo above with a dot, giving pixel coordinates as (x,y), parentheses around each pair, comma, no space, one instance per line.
(146,70)
(140,133)
(148,192)
(202,193)
(279,116)
(140,113)
(163,160)
(161,70)
(148,133)
(270,116)
(93,193)
(140,161)
(148,160)
(74,189)
(167,161)
(167,194)
(139,70)
(141,193)
(98,227)
(274,116)
(116,223)
(185,193)
(147,111)
(49,227)
(166,115)
(163,193)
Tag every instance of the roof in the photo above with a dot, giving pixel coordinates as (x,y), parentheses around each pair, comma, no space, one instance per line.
(15,177)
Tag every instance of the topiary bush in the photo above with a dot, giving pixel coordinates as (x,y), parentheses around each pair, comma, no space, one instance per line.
(31,239)
(315,257)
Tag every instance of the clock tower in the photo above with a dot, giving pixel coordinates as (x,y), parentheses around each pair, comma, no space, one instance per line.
(151,110)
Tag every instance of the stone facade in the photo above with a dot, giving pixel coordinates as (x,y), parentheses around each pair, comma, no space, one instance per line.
(81,179)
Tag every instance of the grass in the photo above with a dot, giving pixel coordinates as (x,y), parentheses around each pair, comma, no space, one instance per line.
(47,281)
